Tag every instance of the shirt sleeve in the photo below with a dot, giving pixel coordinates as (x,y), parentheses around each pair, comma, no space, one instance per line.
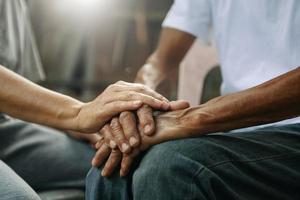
(191,16)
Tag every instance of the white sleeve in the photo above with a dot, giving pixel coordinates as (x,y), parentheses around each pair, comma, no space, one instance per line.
(191,16)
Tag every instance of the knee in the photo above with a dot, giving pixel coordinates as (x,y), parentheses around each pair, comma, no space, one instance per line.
(98,187)
(161,162)
(92,182)
(181,158)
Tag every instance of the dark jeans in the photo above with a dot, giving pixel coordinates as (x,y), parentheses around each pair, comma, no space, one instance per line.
(260,164)
(35,158)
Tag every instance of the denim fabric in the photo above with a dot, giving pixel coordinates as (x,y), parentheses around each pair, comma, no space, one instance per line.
(37,158)
(261,164)
(14,187)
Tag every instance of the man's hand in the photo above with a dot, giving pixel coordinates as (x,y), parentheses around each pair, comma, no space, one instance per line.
(109,148)
(275,100)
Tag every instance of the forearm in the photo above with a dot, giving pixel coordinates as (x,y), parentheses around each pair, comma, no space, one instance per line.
(172,47)
(25,100)
(273,101)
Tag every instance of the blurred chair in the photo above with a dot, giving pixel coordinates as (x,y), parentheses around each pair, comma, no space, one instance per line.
(211,85)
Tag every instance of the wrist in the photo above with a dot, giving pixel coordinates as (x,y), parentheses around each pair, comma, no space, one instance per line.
(167,127)
(69,116)
(154,71)
(196,121)
(150,76)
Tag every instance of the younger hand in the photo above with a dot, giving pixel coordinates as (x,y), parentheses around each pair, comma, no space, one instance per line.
(117,98)
(92,139)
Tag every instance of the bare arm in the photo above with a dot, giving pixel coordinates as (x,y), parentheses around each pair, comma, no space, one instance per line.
(273,101)
(171,49)
(23,99)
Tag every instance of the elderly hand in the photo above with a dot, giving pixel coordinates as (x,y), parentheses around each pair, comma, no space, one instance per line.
(117,98)
(115,139)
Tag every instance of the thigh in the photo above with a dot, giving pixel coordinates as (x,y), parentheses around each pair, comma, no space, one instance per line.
(14,187)
(261,164)
(45,158)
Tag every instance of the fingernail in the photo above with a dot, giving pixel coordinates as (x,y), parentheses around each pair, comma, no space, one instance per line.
(97,146)
(125,147)
(103,173)
(132,141)
(112,144)
(147,128)
(121,173)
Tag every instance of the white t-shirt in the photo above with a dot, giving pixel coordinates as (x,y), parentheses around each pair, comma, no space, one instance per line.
(18,50)
(257,40)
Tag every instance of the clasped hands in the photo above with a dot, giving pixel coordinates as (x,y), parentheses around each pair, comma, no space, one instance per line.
(129,126)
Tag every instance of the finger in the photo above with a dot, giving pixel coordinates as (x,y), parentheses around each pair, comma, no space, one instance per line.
(98,145)
(99,142)
(118,135)
(178,105)
(129,126)
(113,108)
(93,138)
(146,120)
(127,161)
(106,132)
(112,162)
(146,99)
(141,88)
(101,155)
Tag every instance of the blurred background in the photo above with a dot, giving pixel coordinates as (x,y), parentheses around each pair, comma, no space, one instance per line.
(87,44)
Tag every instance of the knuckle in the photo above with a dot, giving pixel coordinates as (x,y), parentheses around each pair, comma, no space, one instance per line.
(125,115)
(105,129)
(120,82)
(116,129)
(115,126)
(129,95)
(111,86)
(106,133)
(114,122)
(145,110)
(141,88)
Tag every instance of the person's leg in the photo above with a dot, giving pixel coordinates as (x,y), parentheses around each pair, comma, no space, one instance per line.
(45,158)
(14,187)
(262,164)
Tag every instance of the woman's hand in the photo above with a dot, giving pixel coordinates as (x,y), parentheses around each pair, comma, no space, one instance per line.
(92,139)
(117,98)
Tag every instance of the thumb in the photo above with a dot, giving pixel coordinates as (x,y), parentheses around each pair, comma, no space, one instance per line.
(179,105)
